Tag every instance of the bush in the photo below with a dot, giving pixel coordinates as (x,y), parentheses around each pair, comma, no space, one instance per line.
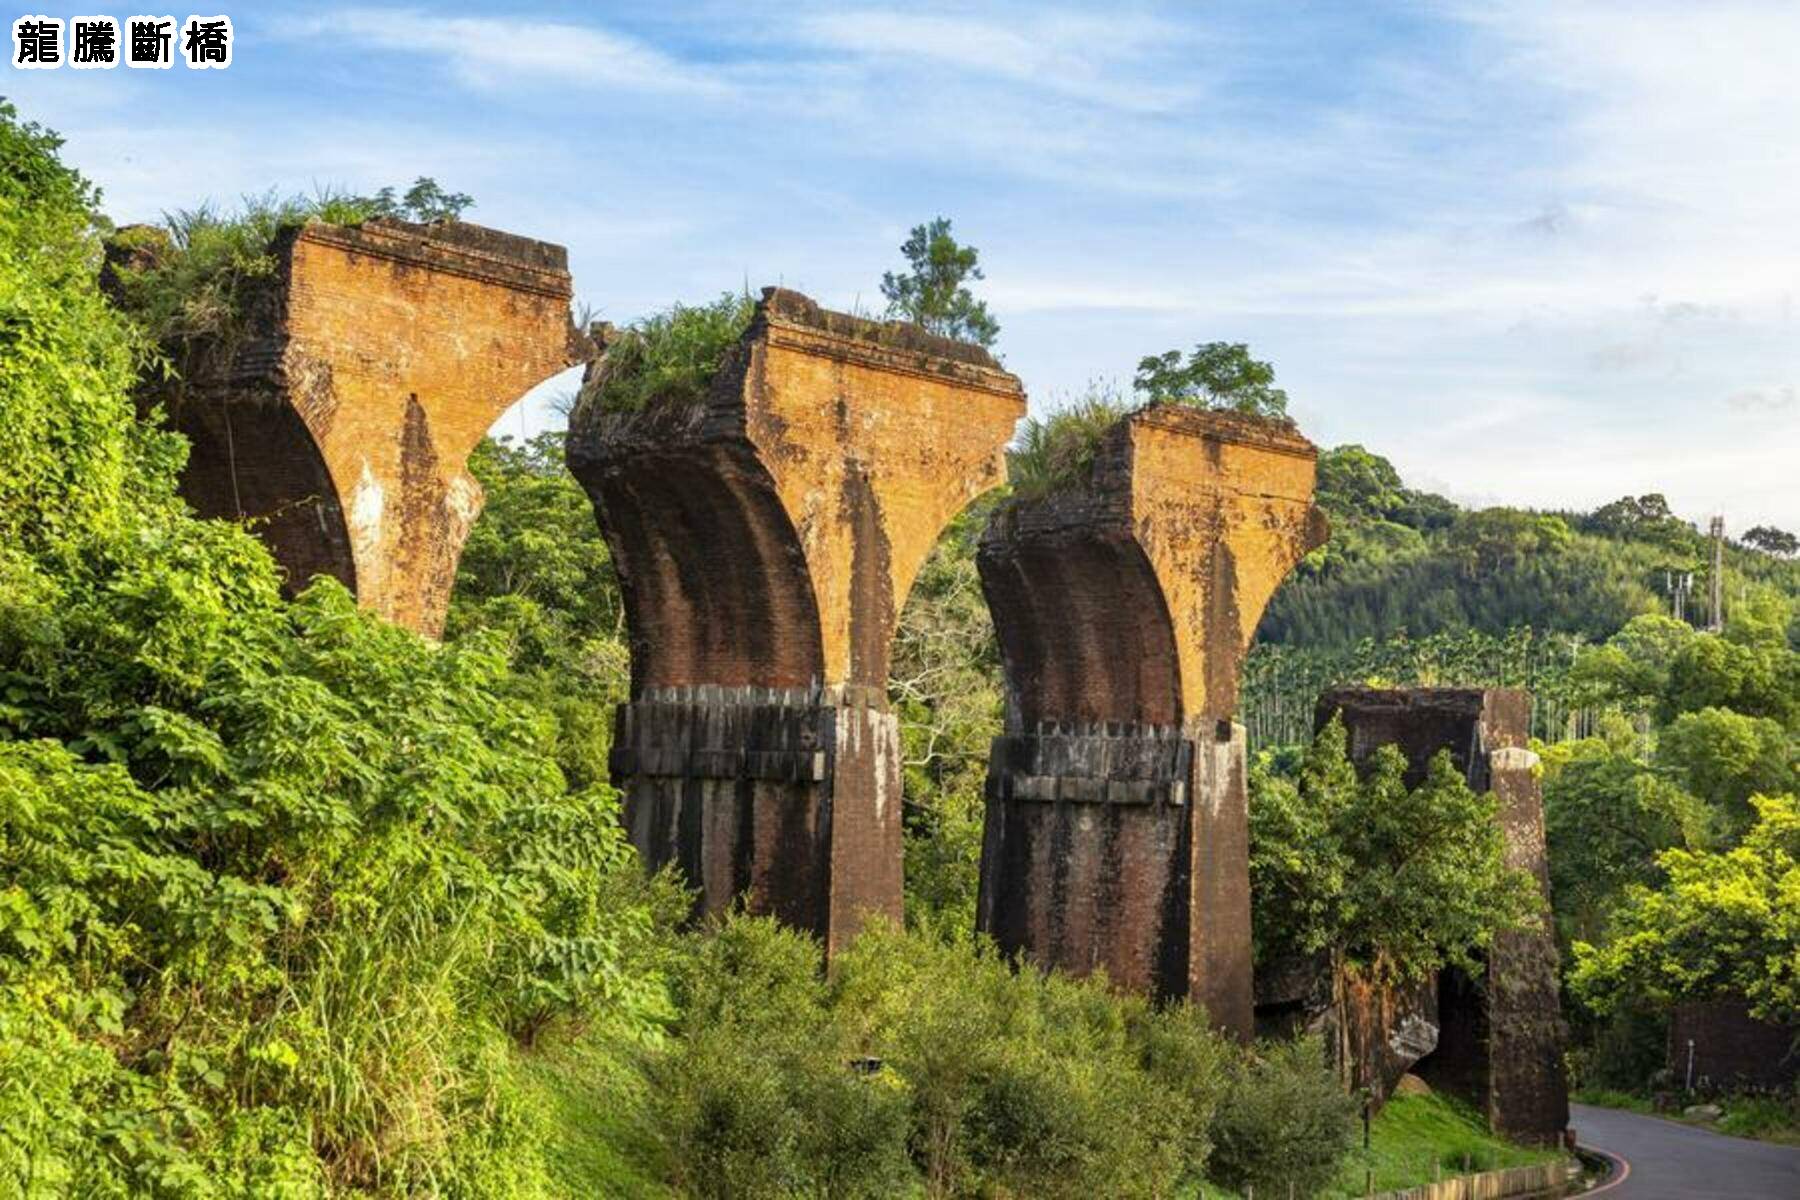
(189,281)
(1058,451)
(667,358)
(757,1096)
(1284,1122)
(1027,1083)
(1393,882)
(188,278)
(975,1078)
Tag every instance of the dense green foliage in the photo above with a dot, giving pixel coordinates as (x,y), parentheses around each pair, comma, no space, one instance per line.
(1771,540)
(933,291)
(536,576)
(1670,830)
(1402,562)
(279,884)
(971,1078)
(1724,923)
(944,685)
(1280,1125)
(1390,882)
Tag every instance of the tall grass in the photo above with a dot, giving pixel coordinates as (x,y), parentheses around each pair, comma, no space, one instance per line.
(669,357)
(1058,451)
(186,278)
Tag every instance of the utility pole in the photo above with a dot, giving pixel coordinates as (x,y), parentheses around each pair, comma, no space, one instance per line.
(1679,584)
(1716,615)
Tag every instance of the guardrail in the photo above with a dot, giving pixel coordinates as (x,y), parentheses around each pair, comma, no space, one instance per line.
(1544,1180)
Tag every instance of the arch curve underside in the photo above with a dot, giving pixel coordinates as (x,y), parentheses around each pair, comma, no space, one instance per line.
(257,461)
(1111,810)
(714,580)
(1084,632)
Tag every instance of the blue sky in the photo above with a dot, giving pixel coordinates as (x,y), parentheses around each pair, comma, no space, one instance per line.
(1540,254)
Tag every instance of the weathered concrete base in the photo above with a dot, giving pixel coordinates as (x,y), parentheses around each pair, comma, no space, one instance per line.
(1102,851)
(1501,1036)
(788,798)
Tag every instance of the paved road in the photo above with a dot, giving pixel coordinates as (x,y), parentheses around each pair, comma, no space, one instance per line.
(1670,1161)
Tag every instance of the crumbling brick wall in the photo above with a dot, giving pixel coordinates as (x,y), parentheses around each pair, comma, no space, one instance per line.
(1501,1036)
(765,541)
(1116,831)
(341,416)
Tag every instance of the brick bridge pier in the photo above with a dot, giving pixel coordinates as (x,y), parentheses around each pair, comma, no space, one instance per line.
(1500,1037)
(1116,832)
(765,541)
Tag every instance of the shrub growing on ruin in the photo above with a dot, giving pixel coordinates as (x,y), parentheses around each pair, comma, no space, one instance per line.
(933,291)
(1214,375)
(667,358)
(189,280)
(1058,451)
(1389,881)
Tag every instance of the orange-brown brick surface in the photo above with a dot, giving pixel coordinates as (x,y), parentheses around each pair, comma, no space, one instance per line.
(368,367)
(1116,829)
(765,541)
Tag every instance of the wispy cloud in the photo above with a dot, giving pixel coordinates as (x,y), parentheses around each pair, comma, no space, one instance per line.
(494,52)
(1097,59)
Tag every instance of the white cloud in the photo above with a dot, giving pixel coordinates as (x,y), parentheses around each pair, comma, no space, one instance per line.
(492,52)
(1090,58)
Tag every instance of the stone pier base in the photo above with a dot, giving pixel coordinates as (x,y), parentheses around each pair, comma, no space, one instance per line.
(787,799)
(1111,846)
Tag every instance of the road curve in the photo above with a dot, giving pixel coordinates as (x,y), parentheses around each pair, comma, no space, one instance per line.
(1671,1161)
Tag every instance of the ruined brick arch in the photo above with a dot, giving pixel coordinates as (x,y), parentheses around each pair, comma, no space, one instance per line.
(259,462)
(765,537)
(339,419)
(1496,1038)
(1085,633)
(711,570)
